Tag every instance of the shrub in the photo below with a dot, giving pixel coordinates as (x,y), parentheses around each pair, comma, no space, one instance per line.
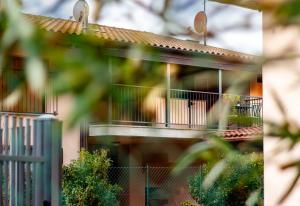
(187,204)
(85,181)
(242,178)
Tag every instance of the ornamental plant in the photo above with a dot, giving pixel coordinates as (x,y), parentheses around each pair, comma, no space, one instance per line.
(85,181)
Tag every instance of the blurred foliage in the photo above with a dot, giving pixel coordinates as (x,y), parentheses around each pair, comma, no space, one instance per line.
(79,66)
(231,175)
(240,181)
(85,181)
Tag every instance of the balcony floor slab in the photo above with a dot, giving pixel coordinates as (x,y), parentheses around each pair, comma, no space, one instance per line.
(142,131)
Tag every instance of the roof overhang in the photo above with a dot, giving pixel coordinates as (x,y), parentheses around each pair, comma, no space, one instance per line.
(250,4)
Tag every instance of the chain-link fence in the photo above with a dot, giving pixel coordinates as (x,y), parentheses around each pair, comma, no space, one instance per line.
(152,186)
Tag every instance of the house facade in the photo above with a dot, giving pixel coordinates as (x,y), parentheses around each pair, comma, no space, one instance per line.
(185,109)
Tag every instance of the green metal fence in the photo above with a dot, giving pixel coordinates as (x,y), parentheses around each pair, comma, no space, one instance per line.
(30,160)
(152,186)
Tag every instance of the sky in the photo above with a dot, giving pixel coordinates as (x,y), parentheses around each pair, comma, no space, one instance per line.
(222,19)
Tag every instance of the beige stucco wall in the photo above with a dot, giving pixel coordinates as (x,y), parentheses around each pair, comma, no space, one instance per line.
(71,136)
(281,77)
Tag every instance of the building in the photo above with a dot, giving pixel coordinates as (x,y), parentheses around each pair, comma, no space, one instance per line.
(182,112)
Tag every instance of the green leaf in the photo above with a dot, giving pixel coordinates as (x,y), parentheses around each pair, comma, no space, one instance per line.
(214,174)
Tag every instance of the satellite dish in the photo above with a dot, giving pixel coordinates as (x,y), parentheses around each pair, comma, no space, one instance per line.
(81,10)
(200,22)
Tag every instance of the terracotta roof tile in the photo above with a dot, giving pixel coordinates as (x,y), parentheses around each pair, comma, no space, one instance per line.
(132,36)
(242,134)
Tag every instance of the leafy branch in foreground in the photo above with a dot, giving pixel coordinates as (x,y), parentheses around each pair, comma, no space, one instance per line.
(229,176)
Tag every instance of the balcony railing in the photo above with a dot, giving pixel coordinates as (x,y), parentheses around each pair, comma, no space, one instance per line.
(146,106)
(28,102)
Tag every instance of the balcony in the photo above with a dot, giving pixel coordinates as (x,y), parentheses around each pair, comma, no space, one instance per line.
(181,109)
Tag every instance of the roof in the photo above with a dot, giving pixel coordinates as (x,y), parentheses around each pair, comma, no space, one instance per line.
(134,37)
(250,4)
(243,134)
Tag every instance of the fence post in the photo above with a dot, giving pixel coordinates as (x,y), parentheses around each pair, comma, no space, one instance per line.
(51,134)
(147,186)
(37,168)
(56,163)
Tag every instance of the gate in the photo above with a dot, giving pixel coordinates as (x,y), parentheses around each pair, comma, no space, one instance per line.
(30,160)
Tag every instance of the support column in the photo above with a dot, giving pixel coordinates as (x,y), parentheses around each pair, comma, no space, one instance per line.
(220,97)
(168,94)
(220,82)
(110,68)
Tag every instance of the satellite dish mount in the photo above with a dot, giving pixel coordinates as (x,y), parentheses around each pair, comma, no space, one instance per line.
(81,13)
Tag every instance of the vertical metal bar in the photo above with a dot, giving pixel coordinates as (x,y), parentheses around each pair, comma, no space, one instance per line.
(128,105)
(173,104)
(168,94)
(136,102)
(205,32)
(189,94)
(20,165)
(196,110)
(6,169)
(147,186)
(12,176)
(27,166)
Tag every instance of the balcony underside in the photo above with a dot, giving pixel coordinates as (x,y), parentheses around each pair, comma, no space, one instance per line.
(142,131)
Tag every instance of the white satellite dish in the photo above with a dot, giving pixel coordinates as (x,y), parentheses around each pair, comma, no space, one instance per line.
(81,12)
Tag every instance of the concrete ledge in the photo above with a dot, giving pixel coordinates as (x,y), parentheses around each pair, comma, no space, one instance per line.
(138,131)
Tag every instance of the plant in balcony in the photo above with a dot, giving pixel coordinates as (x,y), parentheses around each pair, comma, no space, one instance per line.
(85,181)
(235,121)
